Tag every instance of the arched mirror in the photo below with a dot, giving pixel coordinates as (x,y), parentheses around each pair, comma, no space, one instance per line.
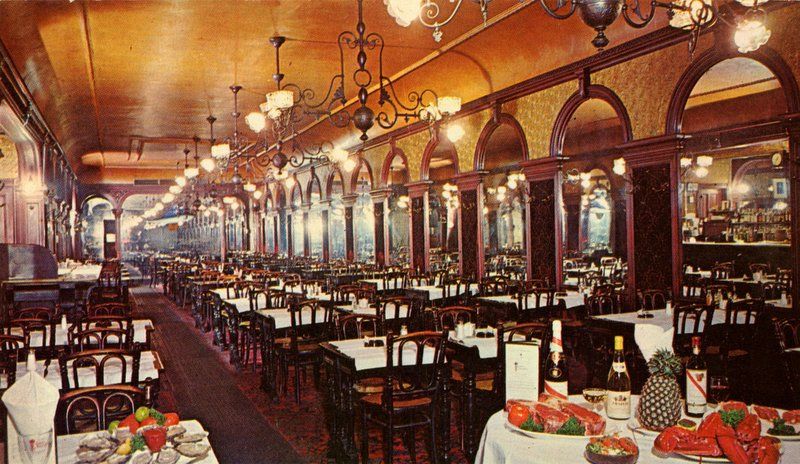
(443,207)
(398,218)
(594,240)
(297,219)
(132,225)
(269,224)
(314,193)
(736,200)
(99,235)
(282,217)
(336,226)
(363,215)
(236,223)
(504,199)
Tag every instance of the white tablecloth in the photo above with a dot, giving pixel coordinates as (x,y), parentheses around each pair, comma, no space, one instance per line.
(437,293)
(68,445)
(373,311)
(283,318)
(86,376)
(572,299)
(139,333)
(501,445)
(374,357)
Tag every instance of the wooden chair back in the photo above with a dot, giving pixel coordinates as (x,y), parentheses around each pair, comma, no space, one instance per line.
(94,408)
(120,361)
(350,326)
(448,317)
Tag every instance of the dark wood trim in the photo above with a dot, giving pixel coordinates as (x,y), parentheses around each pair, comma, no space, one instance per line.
(357,170)
(329,182)
(425,165)
(310,185)
(764,55)
(574,102)
(498,119)
(387,164)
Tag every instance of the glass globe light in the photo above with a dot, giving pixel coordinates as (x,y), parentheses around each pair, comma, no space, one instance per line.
(404,12)
(455,132)
(258,194)
(167,198)
(750,35)
(348,165)
(208,164)
(701,172)
(249,187)
(181,181)
(174,189)
(256,121)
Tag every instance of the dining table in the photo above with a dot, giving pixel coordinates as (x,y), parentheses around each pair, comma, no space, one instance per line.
(67,446)
(142,330)
(150,366)
(346,362)
(500,444)
(571,298)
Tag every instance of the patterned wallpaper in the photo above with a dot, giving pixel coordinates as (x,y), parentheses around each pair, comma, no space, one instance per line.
(472,125)
(9,164)
(414,146)
(537,115)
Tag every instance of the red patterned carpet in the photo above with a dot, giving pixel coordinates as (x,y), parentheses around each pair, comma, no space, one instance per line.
(303,427)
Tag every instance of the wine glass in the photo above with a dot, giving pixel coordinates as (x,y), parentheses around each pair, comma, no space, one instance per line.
(35,448)
(595,396)
(719,388)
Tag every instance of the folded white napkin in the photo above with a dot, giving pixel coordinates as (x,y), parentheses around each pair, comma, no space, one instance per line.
(650,337)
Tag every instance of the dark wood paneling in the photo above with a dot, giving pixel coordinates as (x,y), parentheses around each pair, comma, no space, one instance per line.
(326,240)
(652,230)
(542,223)
(380,257)
(469,233)
(418,232)
(349,241)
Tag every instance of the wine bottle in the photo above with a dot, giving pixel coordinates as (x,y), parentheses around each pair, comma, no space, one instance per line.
(555,370)
(618,398)
(696,382)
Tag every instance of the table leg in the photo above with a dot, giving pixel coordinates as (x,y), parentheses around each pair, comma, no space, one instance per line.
(469,413)
(233,342)
(349,419)
(445,419)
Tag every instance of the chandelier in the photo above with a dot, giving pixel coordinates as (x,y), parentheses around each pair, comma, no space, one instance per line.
(690,15)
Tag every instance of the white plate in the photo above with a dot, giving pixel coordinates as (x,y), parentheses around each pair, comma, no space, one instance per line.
(692,457)
(511,427)
(636,427)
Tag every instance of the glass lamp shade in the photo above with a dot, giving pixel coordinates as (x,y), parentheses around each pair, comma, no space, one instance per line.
(705,161)
(449,105)
(619,166)
(348,165)
(512,183)
(258,194)
(403,11)
(686,162)
(208,164)
(181,181)
(167,198)
(256,121)
(221,150)
(338,155)
(455,132)
(697,13)
(174,189)
(750,35)
(752,3)
(701,172)
(228,200)
(234,206)
(191,173)
(249,187)
(158,207)
(280,99)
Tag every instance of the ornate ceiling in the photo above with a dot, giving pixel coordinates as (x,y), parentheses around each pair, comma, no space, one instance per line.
(125,85)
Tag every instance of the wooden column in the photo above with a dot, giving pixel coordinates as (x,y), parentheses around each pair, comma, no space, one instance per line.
(349,237)
(326,238)
(653,214)
(543,219)
(306,240)
(792,124)
(223,234)
(470,230)
(419,241)
(118,232)
(380,199)
(276,238)
(289,235)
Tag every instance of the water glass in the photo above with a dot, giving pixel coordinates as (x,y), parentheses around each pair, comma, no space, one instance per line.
(35,448)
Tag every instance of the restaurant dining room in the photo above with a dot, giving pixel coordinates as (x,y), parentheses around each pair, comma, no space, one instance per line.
(399,231)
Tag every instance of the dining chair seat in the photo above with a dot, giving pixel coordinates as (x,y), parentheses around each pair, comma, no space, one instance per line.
(375,400)
(368,386)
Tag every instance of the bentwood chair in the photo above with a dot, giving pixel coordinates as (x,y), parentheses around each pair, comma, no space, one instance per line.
(690,321)
(447,318)
(599,305)
(108,367)
(652,299)
(94,408)
(350,326)
(108,309)
(412,397)
(310,325)
(13,349)
(788,334)
(101,338)
(399,310)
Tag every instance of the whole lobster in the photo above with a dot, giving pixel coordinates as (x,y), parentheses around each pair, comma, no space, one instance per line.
(743,445)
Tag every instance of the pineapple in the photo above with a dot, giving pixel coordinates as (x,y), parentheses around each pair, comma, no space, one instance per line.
(660,403)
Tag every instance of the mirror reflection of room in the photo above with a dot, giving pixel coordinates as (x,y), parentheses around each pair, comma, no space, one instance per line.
(443,208)
(594,227)
(398,215)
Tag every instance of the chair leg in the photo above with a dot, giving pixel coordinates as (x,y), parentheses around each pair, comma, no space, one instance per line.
(412,445)
(388,443)
(433,453)
(364,437)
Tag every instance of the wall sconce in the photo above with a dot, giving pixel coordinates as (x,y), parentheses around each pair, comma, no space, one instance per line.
(698,166)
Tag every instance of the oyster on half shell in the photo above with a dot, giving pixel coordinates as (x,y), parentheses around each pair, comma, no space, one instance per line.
(175,431)
(191,437)
(193,450)
(167,456)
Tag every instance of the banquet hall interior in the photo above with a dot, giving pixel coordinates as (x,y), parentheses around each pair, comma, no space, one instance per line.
(363,231)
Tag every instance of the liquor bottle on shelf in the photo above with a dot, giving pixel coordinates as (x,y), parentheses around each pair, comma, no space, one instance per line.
(618,398)
(555,369)
(696,382)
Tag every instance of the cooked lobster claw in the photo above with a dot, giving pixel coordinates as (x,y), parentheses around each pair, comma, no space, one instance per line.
(749,429)
(686,441)
(768,452)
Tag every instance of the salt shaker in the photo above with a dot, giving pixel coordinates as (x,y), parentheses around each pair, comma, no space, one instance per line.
(403,330)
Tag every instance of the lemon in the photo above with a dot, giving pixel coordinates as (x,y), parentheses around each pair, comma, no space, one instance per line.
(142,413)
(124,448)
(112,427)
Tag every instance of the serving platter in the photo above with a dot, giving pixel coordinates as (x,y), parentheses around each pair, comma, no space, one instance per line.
(514,428)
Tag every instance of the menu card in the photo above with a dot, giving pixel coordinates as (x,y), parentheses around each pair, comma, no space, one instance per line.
(522,370)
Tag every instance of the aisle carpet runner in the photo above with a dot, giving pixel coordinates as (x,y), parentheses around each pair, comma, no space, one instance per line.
(304,426)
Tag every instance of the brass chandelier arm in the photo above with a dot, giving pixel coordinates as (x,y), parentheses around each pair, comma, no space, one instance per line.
(559,5)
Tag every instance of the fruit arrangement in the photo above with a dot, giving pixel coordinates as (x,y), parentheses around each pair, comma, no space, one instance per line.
(732,432)
(551,415)
(660,404)
(145,437)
